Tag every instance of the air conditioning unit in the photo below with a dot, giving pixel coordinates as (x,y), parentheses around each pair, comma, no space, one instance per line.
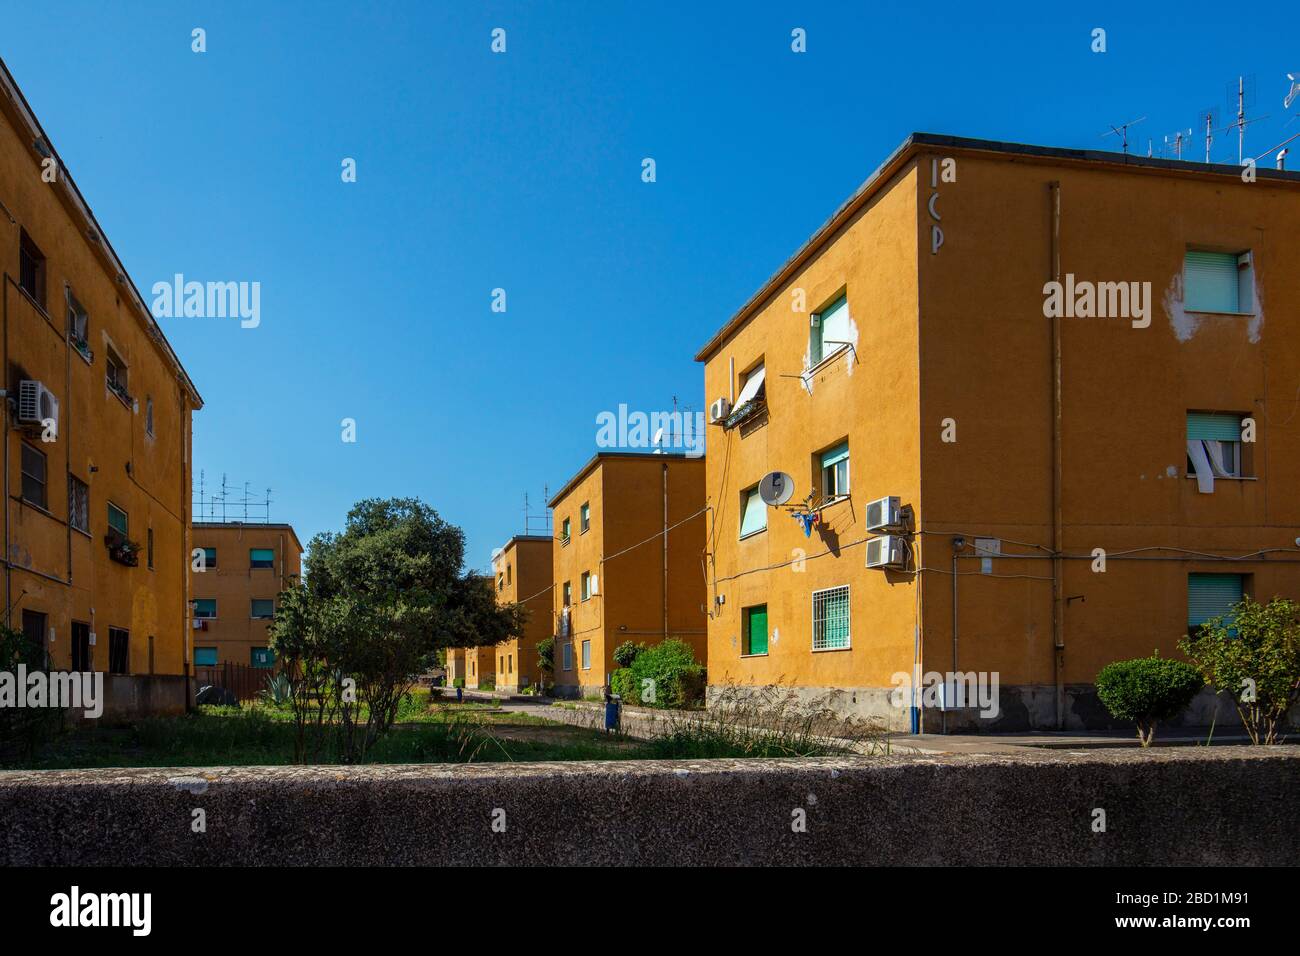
(887,551)
(37,404)
(719,410)
(884,514)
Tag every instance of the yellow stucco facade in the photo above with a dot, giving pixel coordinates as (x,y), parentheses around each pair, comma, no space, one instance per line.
(946,397)
(523,576)
(617,576)
(234,584)
(97,506)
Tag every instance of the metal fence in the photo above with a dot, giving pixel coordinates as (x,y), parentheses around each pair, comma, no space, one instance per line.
(245,682)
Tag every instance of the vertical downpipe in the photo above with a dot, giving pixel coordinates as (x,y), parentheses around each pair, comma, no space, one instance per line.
(1058,534)
(665,466)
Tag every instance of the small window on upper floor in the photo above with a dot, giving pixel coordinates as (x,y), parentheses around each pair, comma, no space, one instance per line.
(586,585)
(564,533)
(31,269)
(261,558)
(829,331)
(752,397)
(1219,282)
(79,328)
(1215,448)
(835,472)
(34,483)
(753,512)
(584,517)
(115,375)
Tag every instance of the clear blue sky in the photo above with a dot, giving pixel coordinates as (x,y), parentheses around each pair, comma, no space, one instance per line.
(522,171)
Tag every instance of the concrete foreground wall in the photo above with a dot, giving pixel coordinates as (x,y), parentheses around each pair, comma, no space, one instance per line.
(1189,806)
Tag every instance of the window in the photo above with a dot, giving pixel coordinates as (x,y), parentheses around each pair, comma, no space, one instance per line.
(564,533)
(586,585)
(148,417)
(568,656)
(1212,595)
(262,657)
(1214,447)
(117,519)
(835,472)
(754,621)
(568,593)
(830,619)
(119,651)
(586,655)
(1218,282)
(205,657)
(80,646)
(31,269)
(501,582)
(829,331)
(263,608)
(510,663)
(205,607)
(584,518)
(209,558)
(507,574)
(115,374)
(78,504)
(752,397)
(34,477)
(261,558)
(79,326)
(149,547)
(753,513)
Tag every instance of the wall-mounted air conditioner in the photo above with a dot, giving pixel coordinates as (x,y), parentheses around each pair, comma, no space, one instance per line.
(884,514)
(719,410)
(887,551)
(37,405)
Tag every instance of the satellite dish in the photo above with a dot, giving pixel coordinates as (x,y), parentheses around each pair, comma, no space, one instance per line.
(775,488)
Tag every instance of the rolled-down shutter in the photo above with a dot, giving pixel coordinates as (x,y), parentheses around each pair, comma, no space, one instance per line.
(1216,426)
(1210,282)
(1211,595)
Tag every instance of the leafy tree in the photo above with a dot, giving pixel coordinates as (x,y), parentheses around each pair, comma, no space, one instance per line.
(674,678)
(1253,653)
(381,599)
(1147,690)
(625,654)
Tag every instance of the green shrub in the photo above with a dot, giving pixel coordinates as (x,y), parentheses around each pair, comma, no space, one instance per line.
(674,678)
(626,653)
(1254,655)
(458,682)
(1147,690)
(487,683)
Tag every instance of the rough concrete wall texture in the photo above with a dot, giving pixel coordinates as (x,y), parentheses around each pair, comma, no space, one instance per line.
(1025,811)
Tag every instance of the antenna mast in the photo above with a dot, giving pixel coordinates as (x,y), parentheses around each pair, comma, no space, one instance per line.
(1122,131)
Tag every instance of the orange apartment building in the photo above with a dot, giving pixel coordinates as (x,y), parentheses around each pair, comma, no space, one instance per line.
(523,576)
(1041,405)
(237,571)
(627,562)
(97,439)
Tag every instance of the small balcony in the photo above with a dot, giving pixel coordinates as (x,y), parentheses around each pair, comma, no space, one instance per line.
(122,549)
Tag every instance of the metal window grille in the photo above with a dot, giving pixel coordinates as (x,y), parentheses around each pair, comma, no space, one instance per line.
(830,618)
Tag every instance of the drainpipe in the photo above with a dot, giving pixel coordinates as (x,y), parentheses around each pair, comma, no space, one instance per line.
(665,467)
(1058,610)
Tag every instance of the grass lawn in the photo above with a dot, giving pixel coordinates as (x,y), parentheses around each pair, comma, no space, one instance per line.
(426,732)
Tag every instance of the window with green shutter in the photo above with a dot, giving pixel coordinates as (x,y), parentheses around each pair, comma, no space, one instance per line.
(263,608)
(205,657)
(831,619)
(205,607)
(262,657)
(584,518)
(753,513)
(829,330)
(1212,595)
(1216,282)
(755,630)
(117,519)
(209,558)
(1214,446)
(261,558)
(835,471)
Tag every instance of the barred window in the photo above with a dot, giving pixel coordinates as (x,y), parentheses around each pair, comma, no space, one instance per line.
(78,504)
(830,619)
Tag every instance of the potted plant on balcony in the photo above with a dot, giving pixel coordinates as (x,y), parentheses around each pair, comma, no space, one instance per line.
(121,548)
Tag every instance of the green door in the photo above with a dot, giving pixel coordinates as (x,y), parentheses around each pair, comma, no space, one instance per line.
(758,630)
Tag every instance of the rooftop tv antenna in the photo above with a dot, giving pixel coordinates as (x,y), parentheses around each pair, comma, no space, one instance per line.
(1210,119)
(1122,131)
(1244,96)
(1180,138)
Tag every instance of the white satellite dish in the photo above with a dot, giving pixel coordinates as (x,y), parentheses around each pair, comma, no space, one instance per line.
(776,488)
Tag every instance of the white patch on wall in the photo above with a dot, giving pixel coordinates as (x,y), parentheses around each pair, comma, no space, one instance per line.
(1257,323)
(1172,471)
(1185,325)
